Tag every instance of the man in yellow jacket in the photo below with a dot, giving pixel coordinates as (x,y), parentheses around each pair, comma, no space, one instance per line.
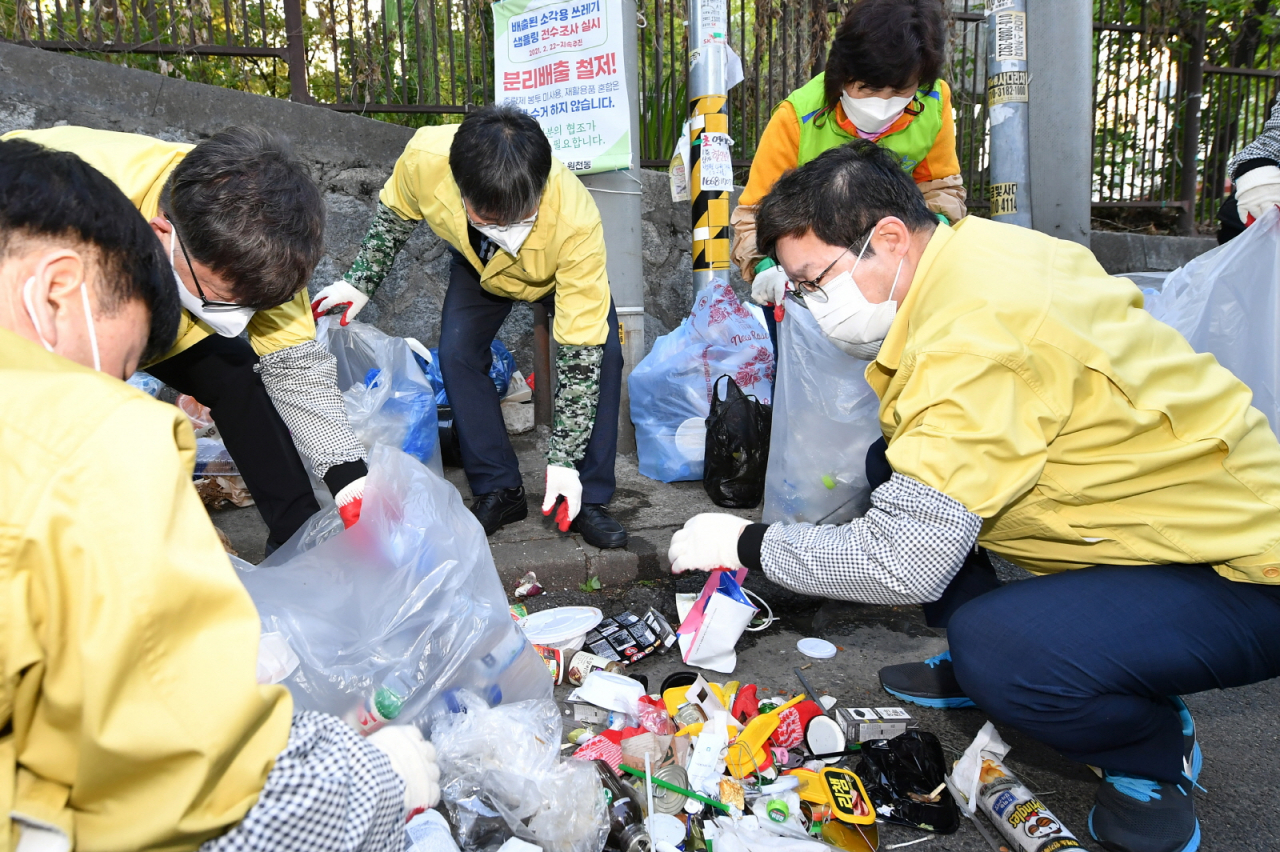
(1032,408)
(520,228)
(129,711)
(242,224)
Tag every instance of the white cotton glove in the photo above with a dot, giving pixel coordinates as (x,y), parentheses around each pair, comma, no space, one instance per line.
(414,760)
(1257,191)
(563,482)
(769,287)
(339,296)
(707,542)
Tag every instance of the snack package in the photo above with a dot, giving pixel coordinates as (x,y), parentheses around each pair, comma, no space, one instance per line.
(625,638)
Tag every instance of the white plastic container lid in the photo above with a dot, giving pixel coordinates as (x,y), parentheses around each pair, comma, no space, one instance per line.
(818,649)
(560,625)
(824,736)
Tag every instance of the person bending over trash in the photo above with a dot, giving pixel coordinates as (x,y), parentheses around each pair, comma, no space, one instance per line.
(520,228)
(242,224)
(1255,176)
(1031,408)
(131,712)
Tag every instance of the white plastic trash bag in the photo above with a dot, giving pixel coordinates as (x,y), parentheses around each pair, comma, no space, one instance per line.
(825,416)
(1227,302)
(388,397)
(671,388)
(393,617)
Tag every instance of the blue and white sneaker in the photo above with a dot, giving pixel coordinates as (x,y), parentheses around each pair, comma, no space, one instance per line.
(1132,814)
(929,684)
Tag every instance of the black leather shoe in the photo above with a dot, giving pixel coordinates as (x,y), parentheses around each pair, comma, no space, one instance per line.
(598,528)
(499,508)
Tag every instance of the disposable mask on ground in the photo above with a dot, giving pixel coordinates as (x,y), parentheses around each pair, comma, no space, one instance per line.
(88,320)
(848,319)
(227,323)
(508,237)
(872,115)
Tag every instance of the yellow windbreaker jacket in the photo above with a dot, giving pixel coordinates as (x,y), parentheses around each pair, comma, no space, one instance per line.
(1024,382)
(564,252)
(130,717)
(140,165)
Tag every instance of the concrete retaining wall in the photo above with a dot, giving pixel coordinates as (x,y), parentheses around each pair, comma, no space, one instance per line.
(1120,253)
(350,156)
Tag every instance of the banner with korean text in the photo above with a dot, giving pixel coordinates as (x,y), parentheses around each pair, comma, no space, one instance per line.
(561,61)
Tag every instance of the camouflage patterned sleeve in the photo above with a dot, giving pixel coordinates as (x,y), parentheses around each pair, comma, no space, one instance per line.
(578,369)
(386,236)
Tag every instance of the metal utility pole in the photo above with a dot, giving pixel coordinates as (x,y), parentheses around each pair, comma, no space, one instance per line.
(1192,85)
(710,166)
(1008,86)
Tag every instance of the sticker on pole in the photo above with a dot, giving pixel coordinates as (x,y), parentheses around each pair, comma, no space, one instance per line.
(561,61)
(1011,37)
(717,162)
(1004,199)
(1008,87)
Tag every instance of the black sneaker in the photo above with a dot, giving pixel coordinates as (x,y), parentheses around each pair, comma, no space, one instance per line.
(1134,814)
(499,508)
(929,684)
(598,528)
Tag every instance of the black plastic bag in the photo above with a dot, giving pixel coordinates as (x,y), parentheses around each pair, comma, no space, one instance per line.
(450,448)
(900,773)
(737,449)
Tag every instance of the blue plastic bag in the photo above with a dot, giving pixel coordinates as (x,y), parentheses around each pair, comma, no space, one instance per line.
(671,388)
(501,370)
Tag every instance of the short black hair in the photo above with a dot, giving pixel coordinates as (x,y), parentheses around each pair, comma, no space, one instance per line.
(248,209)
(887,43)
(500,159)
(840,196)
(55,195)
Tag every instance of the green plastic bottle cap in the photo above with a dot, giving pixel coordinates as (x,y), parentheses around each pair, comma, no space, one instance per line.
(829,481)
(387,703)
(777,811)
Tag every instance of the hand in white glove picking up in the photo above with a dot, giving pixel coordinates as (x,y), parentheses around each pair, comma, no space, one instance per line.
(1257,191)
(414,760)
(707,542)
(339,296)
(769,287)
(563,482)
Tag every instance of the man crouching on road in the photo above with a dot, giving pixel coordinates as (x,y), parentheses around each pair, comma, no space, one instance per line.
(131,714)
(1033,408)
(242,224)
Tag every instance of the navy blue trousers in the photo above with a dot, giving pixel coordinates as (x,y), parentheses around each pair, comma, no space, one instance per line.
(469,322)
(1083,661)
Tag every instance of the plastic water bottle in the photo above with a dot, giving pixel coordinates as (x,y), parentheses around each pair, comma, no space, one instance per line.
(428,832)
(383,705)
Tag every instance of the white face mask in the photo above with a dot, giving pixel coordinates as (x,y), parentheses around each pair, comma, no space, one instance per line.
(227,323)
(872,115)
(88,320)
(508,237)
(848,319)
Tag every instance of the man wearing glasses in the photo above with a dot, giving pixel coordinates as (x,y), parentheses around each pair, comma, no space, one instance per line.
(242,224)
(1032,410)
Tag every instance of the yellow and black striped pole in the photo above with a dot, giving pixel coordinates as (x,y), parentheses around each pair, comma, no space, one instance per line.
(709,182)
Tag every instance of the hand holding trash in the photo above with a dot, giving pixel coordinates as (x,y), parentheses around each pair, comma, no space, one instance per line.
(339,296)
(562,482)
(707,542)
(1257,191)
(414,760)
(350,501)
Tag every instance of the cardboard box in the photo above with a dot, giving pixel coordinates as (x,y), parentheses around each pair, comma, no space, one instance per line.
(861,724)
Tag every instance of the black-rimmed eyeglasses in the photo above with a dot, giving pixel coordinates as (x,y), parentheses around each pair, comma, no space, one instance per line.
(205,302)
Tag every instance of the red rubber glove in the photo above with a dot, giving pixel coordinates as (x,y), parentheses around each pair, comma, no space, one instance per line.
(350,501)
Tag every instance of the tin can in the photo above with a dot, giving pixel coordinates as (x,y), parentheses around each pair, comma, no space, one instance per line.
(554,658)
(689,714)
(584,663)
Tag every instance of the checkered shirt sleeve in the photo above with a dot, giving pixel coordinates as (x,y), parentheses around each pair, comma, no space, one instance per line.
(329,791)
(302,382)
(1267,143)
(905,550)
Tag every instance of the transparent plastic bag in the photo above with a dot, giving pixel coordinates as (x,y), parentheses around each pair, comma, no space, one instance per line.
(501,777)
(394,616)
(146,383)
(825,416)
(1227,302)
(388,397)
(671,388)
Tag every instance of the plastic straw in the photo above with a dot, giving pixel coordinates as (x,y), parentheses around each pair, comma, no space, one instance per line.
(667,785)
